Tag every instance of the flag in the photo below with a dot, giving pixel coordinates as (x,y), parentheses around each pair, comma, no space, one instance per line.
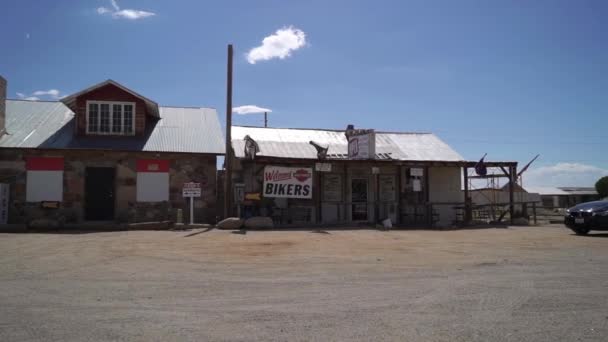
(480,167)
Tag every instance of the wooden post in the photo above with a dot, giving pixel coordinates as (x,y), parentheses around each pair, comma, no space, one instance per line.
(467,207)
(265,119)
(346,200)
(398,194)
(377,198)
(228,155)
(534,211)
(318,196)
(427,198)
(511,192)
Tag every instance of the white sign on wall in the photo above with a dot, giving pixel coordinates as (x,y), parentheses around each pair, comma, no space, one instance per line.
(362,146)
(191,190)
(152,186)
(44,186)
(416,172)
(287,182)
(323,167)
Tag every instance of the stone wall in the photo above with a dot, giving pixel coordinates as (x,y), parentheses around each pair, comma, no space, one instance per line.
(183,168)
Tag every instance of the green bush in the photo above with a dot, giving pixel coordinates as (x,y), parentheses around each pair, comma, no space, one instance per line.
(602,187)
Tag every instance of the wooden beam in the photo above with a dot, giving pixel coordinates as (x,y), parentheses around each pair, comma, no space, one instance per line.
(489,176)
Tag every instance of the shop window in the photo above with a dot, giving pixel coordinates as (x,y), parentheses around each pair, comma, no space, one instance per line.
(152,180)
(44,179)
(332,188)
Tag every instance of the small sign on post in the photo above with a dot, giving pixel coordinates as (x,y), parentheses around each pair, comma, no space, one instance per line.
(191,190)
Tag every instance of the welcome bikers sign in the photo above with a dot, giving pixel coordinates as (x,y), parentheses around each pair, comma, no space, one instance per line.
(287,182)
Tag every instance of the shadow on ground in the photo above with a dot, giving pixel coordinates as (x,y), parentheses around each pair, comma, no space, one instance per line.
(595,235)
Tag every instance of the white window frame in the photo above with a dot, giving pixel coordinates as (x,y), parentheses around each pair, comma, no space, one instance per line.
(111,107)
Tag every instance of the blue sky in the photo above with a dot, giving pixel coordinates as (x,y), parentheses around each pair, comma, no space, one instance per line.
(510,78)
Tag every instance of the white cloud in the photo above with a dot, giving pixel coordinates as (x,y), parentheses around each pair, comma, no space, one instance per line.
(564,174)
(278,45)
(53,94)
(132,14)
(27,98)
(117,13)
(103,10)
(250,109)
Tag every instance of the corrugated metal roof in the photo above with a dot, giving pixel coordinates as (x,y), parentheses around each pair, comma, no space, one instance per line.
(579,190)
(545,190)
(294,143)
(562,190)
(40,124)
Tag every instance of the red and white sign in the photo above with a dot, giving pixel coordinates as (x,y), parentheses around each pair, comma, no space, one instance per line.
(191,190)
(44,179)
(362,146)
(152,180)
(152,165)
(287,182)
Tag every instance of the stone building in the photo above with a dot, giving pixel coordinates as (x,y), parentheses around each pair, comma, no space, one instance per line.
(304,176)
(107,153)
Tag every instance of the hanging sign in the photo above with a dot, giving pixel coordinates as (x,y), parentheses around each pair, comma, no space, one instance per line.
(287,182)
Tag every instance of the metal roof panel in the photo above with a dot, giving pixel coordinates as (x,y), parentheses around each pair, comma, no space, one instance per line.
(294,143)
(39,124)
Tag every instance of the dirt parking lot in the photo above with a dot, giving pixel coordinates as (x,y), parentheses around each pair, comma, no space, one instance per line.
(516,284)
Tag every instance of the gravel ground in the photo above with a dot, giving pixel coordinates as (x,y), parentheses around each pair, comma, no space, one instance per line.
(516,284)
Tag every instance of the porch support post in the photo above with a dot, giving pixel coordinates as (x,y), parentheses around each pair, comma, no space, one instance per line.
(511,190)
(467,203)
(318,196)
(427,198)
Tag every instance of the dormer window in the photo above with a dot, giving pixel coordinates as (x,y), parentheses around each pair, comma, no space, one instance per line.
(108,117)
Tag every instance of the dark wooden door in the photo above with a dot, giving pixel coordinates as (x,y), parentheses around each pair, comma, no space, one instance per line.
(99,193)
(359,199)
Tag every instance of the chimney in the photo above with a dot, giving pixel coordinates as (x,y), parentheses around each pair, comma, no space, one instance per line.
(2,105)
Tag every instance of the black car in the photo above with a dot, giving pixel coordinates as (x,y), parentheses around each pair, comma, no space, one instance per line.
(587,216)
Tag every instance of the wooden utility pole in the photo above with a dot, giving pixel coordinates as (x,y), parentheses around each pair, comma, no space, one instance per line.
(228,156)
(265,119)
(467,207)
(512,178)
